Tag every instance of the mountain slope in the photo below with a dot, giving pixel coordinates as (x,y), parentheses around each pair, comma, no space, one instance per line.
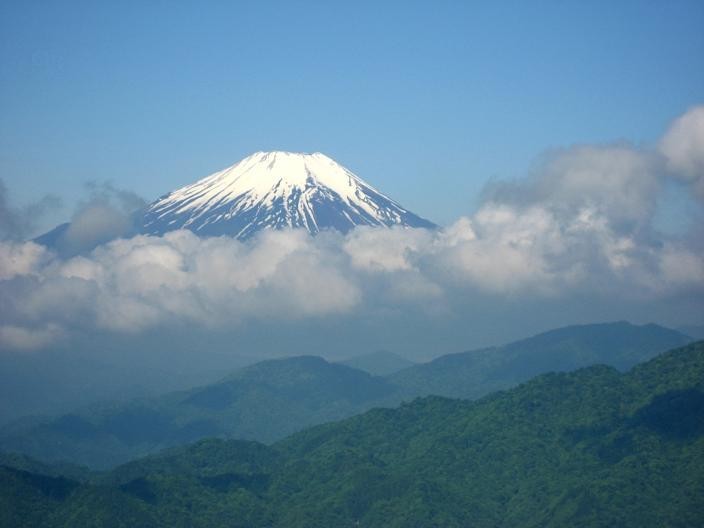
(265,401)
(589,448)
(476,373)
(269,400)
(276,190)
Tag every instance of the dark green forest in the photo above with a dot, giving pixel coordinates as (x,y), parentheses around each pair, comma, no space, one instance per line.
(593,447)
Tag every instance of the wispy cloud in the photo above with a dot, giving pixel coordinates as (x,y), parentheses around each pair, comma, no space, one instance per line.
(17,223)
(108,213)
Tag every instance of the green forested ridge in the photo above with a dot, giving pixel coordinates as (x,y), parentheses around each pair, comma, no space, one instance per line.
(272,399)
(594,447)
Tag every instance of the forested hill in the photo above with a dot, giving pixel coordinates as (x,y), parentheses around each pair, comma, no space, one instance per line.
(272,399)
(594,447)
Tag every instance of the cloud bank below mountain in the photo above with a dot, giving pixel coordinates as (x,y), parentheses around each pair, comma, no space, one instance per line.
(580,228)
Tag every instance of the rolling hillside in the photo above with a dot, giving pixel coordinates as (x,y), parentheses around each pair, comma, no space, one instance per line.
(593,447)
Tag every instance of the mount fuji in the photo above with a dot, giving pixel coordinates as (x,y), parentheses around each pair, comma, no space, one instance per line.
(275,190)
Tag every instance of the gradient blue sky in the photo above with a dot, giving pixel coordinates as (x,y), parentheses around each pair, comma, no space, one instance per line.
(426,100)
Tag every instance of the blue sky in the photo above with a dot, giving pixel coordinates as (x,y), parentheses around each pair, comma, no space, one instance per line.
(427,101)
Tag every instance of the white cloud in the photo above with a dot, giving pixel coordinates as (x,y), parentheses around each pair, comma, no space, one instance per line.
(390,250)
(503,251)
(683,147)
(18,258)
(617,183)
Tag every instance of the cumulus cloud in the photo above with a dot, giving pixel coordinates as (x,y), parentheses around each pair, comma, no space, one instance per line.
(618,183)
(21,258)
(129,285)
(683,147)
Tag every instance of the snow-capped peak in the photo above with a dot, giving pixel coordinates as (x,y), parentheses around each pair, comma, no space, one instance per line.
(275,190)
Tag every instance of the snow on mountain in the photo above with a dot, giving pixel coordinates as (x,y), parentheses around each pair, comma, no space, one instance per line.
(276,190)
